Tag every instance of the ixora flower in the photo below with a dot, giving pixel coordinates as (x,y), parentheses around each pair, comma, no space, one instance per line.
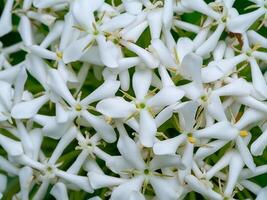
(133,99)
(135,172)
(117,107)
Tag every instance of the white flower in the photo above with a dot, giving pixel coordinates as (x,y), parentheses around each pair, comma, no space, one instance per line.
(6,18)
(132,99)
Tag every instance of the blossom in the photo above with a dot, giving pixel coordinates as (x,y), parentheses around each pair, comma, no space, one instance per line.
(133,99)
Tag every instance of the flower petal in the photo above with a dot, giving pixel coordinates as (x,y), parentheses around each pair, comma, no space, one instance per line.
(59,191)
(241,23)
(6,18)
(258,146)
(197,186)
(132,153)
(148,128)
(101,180)
(221,130)
(101,126)
(107,89)
(27,109)
(141,83)
(12,147)
(164,161)
(58,85)
(245,153)
(124,190)
(76,49)
(168,146)
(154,18)
(174,94)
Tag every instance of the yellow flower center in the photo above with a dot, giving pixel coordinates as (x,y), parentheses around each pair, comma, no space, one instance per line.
(78,107)
(243,133)
(59,55)
(191,139)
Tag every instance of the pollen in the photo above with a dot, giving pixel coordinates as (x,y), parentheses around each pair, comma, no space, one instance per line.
(141,105)
(108,119)
(191,139)
(59,55)
(243,133)
(78,107)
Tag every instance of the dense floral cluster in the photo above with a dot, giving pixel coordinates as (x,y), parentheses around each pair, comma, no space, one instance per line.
(132,99)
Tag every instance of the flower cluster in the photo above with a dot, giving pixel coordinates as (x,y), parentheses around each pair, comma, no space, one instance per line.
(133,99)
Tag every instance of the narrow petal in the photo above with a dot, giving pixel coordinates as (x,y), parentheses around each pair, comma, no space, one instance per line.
(258,80)
(197,186)
(141,83)
(83,11)
(59,191)
(3,185)
(25,178)
(183,47)
(107,89)
(134,7)
(256,38)
(19,85)
(124,190)
(215,108)
(220,164)
(164,115)
(165,188)
(27,109)
(245,153)
(210,44)
(37,68)
(200,6)
(238,87)
(221,130)
(100,180)
(154,18)
(101,126)
(132,153)
(259,145)
(209,149)
(117,22)
(76,49)
(148,128)
(163,53)
(146,56)
(249,117)
(241,23)
(168,146)
(62,144)
(58,85)
(187,112)
(116,107)
(262,194)
(42,52)
(6,18)
(167,14)
(165,77)
(53,34)
(164,161)
(191,67)
(134,34)
(12,147)
(80,181)
(253,103)
(47,3)
(187,26)
(235,166)
(25,31)
(174,94)
(109,52)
